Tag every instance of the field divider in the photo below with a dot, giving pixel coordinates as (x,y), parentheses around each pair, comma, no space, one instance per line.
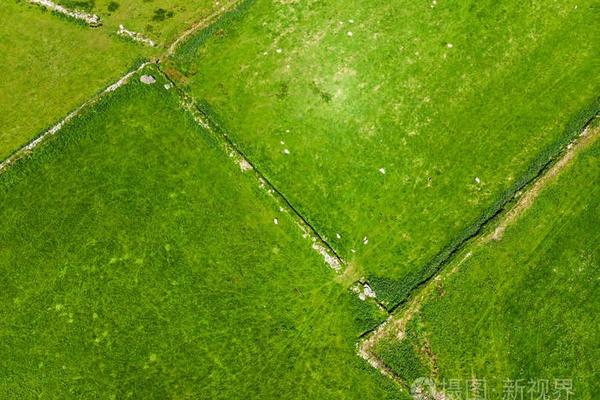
(204,23)
(90,19)
(25,150)
(402,313)
(319,244)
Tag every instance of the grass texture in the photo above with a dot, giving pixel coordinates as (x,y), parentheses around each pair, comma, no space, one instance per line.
(397,127)
(138,261)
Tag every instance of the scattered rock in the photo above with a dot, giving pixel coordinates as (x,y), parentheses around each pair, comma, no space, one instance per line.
(135,36)
(147,79)
(90,19)
(363,290)
(245,165)
(332,261)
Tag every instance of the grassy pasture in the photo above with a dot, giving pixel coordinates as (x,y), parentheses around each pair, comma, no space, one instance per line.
(49,67)
(523,308)
(394,126)
(161,20)
(138,261)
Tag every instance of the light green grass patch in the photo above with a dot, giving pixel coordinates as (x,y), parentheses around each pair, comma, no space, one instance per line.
(138,261)
(49,67)
(397,127)
(521,313)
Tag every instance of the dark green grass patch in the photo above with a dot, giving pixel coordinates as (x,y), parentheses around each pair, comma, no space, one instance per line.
(397,127)
(522,313)
(138,261)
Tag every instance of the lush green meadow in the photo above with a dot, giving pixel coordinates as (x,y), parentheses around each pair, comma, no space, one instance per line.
(524,308)
(395,126)
(138,261)
(160,20)
(49,67)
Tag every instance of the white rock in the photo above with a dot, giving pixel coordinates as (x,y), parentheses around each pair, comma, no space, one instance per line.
(382,170)
(244,165)
(477,180)
(275,221)
(286,151)
(147,79)
(368,291)
(450,45)
(349,33)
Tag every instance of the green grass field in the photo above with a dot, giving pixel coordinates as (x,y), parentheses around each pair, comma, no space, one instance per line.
(50,70)
(181,238)
(139,262)
(378,120)
(524,308)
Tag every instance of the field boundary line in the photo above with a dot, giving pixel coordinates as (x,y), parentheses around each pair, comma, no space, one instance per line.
(135,36)
(508,215)
(90,19)
(25,150)
(203,23)
(319,244)
(525,200)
